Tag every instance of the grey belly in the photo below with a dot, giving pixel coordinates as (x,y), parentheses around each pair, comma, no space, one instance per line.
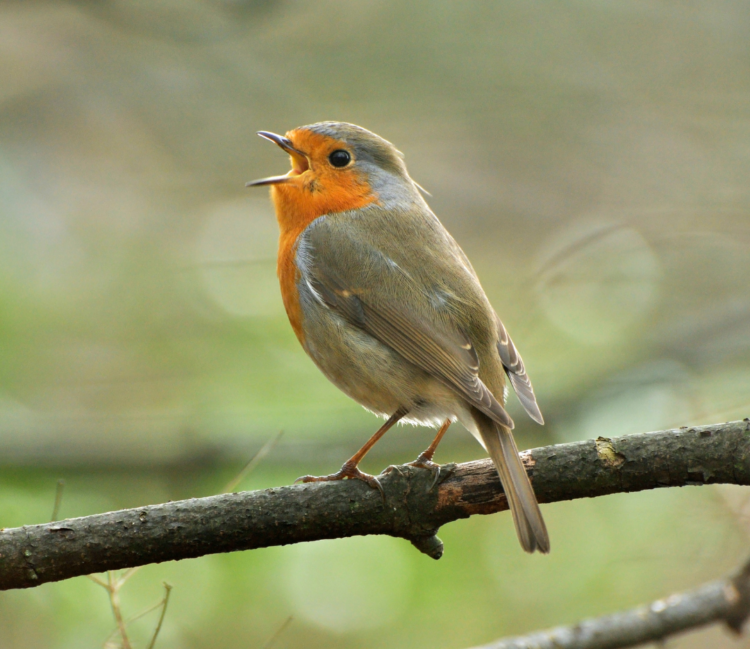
(371,373)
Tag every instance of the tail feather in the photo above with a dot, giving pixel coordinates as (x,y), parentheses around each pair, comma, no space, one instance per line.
(530,527)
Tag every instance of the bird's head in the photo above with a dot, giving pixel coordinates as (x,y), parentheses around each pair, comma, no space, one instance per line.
(337,167)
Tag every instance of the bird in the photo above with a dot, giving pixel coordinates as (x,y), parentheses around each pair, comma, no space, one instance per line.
(388,306)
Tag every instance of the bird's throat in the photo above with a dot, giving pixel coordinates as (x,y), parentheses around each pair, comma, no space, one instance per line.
(298,203)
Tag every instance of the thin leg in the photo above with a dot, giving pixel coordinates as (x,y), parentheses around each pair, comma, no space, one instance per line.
(425,458)
(349,468)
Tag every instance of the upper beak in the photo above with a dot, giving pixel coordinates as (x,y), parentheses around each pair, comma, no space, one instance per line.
(299,161)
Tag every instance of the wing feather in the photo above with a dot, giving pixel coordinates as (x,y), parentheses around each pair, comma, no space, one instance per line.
(449,357)
(516,372)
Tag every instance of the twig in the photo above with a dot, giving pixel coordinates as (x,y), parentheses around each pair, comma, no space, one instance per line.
(144,612)
(254,461)
(113,588)
(33,555)
(167,591)
(98,581)
(272,640)
(727,600)
(127,574)
(58,500)
(115,585)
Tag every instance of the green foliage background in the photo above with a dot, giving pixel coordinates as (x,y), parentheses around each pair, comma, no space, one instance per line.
(592,158)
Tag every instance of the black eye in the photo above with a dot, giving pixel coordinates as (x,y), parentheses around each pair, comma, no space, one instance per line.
(340,158)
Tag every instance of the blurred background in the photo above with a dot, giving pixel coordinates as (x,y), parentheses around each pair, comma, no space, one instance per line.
(593,160)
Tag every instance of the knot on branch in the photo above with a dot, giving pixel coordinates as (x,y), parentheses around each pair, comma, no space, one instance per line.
(411,494)
(432,546)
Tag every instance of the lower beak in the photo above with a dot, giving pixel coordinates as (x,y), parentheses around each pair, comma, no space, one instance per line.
(299,161)
(271,180)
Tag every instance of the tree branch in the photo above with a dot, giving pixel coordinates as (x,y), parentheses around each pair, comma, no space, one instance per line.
(726,600)
(413,509)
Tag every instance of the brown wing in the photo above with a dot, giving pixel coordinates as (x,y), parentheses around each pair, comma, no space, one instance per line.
(449,357)
(516,372)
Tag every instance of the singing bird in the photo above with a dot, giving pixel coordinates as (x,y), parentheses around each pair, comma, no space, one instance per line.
(388,306)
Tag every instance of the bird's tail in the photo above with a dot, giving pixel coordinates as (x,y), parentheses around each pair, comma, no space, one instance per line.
(499,442)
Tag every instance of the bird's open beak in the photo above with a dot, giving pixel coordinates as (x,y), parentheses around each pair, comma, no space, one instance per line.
(300,163)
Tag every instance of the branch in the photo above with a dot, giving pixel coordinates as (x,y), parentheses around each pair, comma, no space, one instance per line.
(727,600)
(413,509)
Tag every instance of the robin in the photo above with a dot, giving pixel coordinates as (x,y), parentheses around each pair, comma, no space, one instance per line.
(388,306)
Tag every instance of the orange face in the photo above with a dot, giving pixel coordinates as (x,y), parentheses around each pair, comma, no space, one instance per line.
(324,179)
(318,183)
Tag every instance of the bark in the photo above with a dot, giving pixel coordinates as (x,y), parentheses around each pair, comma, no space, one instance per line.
(412,508)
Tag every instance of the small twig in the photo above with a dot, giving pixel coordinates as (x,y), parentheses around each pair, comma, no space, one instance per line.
(98,581)
(145,612)
(727,600)
(127,574)
(138,616)
(113,588)
(167,591)
(254,461)
(272,640)
(58,500)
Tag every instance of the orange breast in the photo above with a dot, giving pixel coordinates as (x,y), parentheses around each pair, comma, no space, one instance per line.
(297,205)
(286,269)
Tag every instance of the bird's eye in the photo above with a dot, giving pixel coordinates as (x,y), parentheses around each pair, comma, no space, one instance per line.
(340,158)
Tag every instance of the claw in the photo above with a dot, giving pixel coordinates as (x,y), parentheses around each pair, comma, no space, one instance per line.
(347,471)
(419,463)
(445,471)
(435,479)
(424,462)
(392,467)
(439,471)
(376,483)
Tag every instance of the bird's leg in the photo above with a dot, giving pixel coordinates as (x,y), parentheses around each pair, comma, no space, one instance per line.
(424,461)
(350,469)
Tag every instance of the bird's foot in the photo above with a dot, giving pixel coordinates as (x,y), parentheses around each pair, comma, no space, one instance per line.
(347,471)
(392,467)
(424,461)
